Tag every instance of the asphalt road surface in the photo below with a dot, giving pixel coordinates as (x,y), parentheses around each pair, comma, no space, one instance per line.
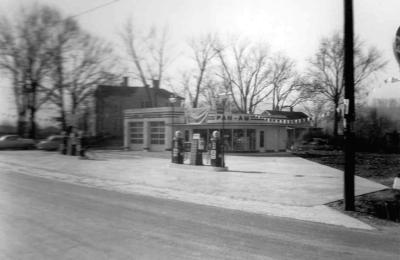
(44,219)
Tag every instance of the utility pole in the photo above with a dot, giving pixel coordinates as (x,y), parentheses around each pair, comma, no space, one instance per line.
(172,99)
(349,108)
(223,131)
(224,97)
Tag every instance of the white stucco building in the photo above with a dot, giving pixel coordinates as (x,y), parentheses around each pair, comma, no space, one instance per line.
(152,128)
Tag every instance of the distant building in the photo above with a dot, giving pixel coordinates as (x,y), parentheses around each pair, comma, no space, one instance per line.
(142,118)
(109,102)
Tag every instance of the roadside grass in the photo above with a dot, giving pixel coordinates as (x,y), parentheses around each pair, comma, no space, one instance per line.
(381,208)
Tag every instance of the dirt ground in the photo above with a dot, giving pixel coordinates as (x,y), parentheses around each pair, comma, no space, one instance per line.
(381,168)
(382,208)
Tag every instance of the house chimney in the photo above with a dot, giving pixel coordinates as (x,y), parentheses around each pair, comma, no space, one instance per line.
(291,109)
(156,83)
(125,81)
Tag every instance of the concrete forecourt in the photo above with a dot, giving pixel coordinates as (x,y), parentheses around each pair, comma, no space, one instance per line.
(282,186)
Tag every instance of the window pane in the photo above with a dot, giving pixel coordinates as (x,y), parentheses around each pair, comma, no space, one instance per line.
(261,138)
(157,130)
(136,132)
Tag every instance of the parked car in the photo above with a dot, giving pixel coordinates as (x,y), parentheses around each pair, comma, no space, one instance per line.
(16,142)
(52,143)
(314,144)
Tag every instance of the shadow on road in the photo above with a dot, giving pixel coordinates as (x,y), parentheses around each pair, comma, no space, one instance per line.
(271,154)
(255,172)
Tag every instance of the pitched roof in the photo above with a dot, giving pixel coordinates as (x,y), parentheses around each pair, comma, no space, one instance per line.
(122,90)
(286,114)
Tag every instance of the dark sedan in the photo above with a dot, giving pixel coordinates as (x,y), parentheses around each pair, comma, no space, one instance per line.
(314,144)
(52,143)
(16,142)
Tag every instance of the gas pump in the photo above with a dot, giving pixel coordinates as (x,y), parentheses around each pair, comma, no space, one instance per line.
(177,148)
(196,155)
(215,153)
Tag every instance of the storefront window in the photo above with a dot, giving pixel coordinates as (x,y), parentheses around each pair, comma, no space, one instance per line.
(157,132)
(244,140)
(234,139)
(202,132)
(261,138)
(136,132)
(239,141)
(187,135)
(227,139)
(251,139)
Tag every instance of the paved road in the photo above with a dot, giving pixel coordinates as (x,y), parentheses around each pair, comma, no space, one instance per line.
(278,186)
(45,219)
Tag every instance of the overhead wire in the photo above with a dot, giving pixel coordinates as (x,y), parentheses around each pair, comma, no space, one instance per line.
(93,9)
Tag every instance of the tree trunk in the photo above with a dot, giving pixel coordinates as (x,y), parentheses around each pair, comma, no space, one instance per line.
(198,85)
(60,84)
(315,123)
(273,98)
(21,105)
(32,130)
(141,74)
(21,123)
(63,120)
(32,108)
(74,110)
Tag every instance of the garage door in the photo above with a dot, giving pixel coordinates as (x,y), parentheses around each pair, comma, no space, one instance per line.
(136,135)
(157,136)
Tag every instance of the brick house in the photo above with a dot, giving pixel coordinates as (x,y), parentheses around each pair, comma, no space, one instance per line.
(109,102)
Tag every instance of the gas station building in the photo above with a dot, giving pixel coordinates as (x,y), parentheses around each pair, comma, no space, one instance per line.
(151,129)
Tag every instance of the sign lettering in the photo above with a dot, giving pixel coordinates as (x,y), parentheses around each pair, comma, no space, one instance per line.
(196,136)
(213,154)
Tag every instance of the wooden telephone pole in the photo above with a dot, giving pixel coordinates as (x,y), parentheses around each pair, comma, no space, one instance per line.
(349,107)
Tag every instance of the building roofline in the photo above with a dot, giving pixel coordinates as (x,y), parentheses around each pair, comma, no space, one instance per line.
(132,89)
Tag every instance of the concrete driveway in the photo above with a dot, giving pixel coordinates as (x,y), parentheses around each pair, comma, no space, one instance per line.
(280,186)
(296,181)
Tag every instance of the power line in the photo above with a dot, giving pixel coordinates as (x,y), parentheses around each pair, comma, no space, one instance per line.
(94,9)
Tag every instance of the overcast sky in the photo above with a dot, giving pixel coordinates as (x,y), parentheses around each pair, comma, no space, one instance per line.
(291,26)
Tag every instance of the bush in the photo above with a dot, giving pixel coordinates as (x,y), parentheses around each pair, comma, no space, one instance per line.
(374,132)
(314,133)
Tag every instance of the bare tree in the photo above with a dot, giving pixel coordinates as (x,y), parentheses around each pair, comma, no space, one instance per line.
(326,71)
(64,34)
(210,94)
(24,54)
(245,73)
(81,62)
(204,52)
(148,52)
(288,85)
(11,64)
(316,109)
(186,83)
(89,66)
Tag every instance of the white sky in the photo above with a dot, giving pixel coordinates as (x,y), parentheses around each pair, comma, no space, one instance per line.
(291,26)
